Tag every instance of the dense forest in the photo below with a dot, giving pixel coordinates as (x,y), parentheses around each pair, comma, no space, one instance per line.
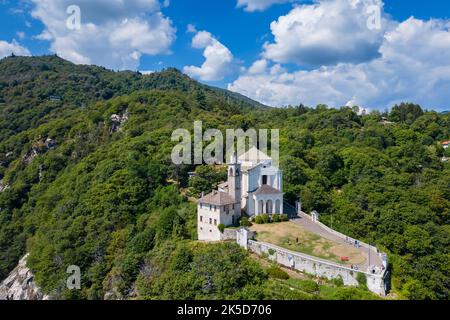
(86,179)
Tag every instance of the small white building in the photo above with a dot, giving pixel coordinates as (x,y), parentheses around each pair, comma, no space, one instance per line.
(254,187)
(214,209)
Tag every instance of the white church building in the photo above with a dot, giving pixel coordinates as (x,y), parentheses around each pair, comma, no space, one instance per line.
(254,187)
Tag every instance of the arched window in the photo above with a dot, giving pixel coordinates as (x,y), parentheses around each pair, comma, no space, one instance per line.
(261,207)
(278,206)
(231,172)
(264,180)
(269,206)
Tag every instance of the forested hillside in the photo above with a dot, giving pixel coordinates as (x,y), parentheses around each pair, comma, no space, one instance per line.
(80,187)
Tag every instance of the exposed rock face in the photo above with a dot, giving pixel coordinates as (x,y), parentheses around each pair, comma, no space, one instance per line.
(3,187)
(50,143)
(117,121)
(19,285)
(39,147)
(114,287)
(6,158)
(30,156)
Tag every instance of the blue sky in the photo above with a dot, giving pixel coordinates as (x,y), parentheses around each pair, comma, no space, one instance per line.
(315,54)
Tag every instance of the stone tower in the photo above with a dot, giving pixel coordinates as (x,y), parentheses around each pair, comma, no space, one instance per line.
(234,181)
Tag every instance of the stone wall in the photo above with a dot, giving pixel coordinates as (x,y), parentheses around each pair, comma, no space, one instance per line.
(316,266)
(228,234)
(344,237)
(206,229)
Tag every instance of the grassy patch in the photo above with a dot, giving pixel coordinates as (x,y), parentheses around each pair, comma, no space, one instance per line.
(293,237)
(275,272)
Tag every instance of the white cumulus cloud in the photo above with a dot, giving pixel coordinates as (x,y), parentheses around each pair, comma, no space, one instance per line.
(413,66)
(8,48)
(328,32)
(113,33)
(219,60)
(258,67)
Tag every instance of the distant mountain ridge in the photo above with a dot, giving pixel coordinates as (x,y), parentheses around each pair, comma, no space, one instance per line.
(34,90)
(20,71)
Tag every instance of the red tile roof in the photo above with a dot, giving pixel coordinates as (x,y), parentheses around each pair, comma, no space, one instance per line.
(266,189)
(218,198)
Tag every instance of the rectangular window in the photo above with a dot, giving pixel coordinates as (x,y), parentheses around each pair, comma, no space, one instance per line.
(215,222)
(201,218)
(210,220)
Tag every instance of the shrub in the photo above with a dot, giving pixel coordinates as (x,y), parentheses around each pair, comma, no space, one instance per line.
(259,220)
(181,259)
(414,290)
(265,255)
(221,227)
(309,286)
(284,217)
(271,252)
(245,222)
(338,282)
(277,273)
(362,280)
(266,218)
(276,218)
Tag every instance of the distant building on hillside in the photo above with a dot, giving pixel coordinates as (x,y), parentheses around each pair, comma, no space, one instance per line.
(385,121)
(445,144)
(55,98)
(254,187)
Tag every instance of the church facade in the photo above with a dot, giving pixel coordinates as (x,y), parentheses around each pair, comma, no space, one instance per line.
(254,187)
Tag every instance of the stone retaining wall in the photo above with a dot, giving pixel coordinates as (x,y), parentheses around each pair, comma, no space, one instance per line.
(318,267)
(228,234)
(344,237)
(338,234)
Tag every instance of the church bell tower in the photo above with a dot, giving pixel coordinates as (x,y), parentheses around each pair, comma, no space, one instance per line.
(234,181)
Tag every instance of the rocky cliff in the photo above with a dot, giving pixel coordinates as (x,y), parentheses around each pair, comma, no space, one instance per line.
(19,285)
(3,186)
